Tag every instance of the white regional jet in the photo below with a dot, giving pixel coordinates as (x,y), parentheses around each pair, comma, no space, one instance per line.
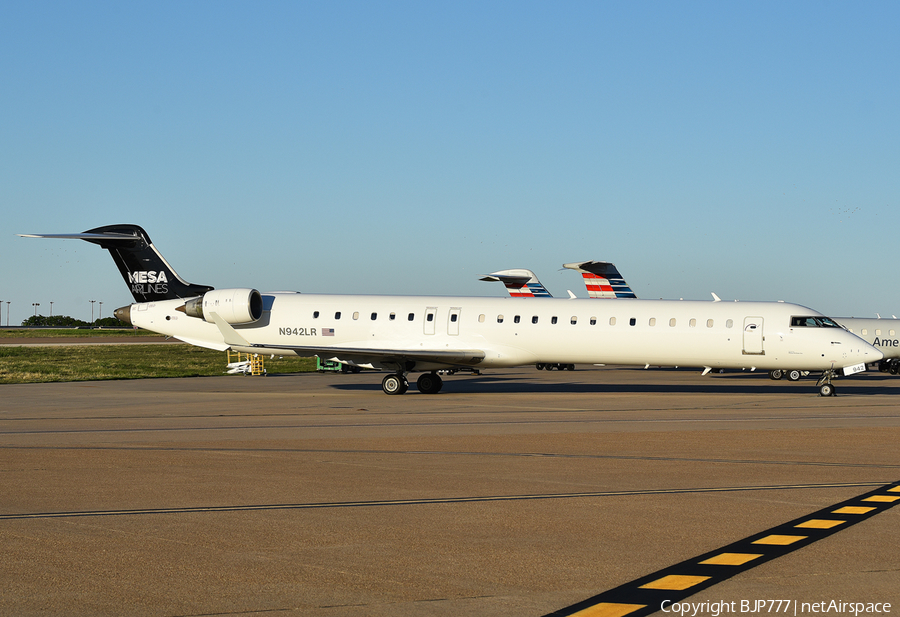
(424,334)
(883,334)
(603,280)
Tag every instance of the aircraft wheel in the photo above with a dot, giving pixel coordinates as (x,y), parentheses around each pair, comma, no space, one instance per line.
(776,374)
(826,389)
(394,384)
(539,366)
(429,383)
(570,367)
(793,375)
(893,369)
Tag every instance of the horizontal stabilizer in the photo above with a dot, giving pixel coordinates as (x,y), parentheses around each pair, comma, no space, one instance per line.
(146,272)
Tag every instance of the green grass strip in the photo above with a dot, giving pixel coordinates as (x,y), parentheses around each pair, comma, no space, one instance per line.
(74,332)
(99,362)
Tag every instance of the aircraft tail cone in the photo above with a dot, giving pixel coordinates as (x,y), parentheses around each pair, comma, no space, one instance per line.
(123,314)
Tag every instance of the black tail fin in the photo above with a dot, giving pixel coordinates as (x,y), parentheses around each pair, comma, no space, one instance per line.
(145,270)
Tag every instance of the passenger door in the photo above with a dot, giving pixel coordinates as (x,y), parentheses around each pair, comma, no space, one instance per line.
(753,336)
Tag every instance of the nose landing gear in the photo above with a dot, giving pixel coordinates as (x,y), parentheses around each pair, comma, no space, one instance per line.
(826,388)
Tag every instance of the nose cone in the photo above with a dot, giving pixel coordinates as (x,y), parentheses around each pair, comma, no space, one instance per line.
(123,314)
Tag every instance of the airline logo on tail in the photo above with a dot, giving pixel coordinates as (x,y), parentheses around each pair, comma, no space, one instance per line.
(520,283)
(602,279)
(148,283)
(148,277)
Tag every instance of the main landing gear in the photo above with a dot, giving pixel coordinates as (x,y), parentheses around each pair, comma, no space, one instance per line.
(793,375)
(541,366)
(427,383)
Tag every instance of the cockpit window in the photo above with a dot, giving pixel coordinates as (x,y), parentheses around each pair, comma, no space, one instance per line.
(813,322)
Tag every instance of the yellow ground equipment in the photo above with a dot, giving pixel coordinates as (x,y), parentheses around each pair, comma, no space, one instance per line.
(245,363)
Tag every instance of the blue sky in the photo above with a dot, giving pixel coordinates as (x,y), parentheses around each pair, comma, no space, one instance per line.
(748,149)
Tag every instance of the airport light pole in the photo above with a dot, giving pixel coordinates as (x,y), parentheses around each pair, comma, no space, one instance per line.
(7,313)
(35,305)
(101,309)
(92,311)
(51,309)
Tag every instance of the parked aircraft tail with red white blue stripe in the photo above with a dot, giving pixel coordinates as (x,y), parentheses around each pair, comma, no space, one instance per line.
(602,279)
(520,283)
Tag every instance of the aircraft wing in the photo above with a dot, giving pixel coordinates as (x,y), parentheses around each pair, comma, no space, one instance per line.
(398,357)
(358,355)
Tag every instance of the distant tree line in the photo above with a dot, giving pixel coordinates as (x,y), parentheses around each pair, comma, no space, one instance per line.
(64,321)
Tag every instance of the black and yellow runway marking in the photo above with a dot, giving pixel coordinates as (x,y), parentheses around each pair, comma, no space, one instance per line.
(645,595)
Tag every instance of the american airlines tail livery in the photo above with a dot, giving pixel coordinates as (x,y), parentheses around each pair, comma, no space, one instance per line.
(423,334)
(520,283)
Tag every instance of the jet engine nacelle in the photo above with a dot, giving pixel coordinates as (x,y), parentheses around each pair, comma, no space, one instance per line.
(235,306)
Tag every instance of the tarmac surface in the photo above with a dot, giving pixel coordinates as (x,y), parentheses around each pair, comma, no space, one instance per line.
(518,492)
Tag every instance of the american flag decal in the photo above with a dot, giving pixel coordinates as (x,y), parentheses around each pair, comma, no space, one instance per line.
(327,331)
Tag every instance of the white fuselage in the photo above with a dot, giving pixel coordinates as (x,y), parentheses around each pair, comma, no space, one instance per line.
(513,331)
(883,334)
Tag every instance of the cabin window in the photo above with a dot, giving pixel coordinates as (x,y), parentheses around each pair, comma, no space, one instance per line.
(429,317)
(374,316)
(337,315)
(653,321)
(709,323)
(865,331)
(392,316)
(612,321)
(632,322)
(729,323)
(499,318)
(534,319)
(355,314)
(891,332)
(593,321)
(481,318)
(553,320)
(878,332)
(315,314)
(517,319)
(672,322)
(410,317)
(693,323)
(573,320)
(454,317)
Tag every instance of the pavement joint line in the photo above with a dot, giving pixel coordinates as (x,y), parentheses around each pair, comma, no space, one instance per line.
(645,595)
(548,455)
(424,501)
